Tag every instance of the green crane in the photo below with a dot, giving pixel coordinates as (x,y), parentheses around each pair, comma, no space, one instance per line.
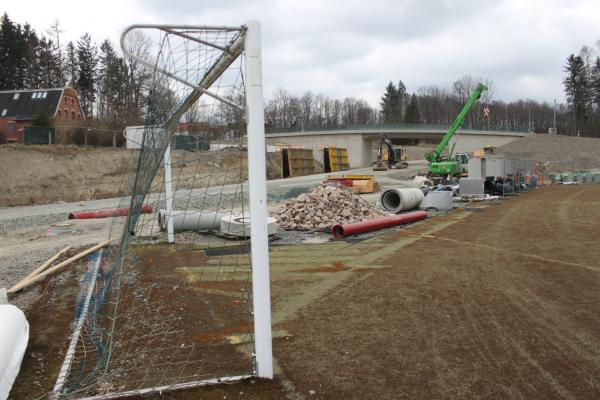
(438,165)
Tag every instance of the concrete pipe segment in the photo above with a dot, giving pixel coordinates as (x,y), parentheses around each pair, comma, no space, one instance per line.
(239,225)
(192,220)
(401,199)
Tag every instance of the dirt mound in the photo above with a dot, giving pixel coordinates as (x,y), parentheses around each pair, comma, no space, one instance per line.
(47,174)
(560,152)
(322,208)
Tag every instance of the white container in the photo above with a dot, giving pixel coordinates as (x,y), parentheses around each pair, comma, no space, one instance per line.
(441,201)
(14,336)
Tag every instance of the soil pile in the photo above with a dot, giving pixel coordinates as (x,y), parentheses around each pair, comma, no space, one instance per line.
(562,153)
(322,208)
(48,174)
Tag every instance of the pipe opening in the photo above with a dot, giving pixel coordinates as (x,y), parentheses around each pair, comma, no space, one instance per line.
(338,231)
(391,200)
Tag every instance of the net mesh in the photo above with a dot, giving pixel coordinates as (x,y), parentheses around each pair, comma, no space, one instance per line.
(156,314)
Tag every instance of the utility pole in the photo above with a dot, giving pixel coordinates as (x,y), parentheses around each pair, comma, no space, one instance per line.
(554,118)
(529,124)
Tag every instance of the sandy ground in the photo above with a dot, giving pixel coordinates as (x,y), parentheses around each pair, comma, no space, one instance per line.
(498,303)
(47,174)
(562,153)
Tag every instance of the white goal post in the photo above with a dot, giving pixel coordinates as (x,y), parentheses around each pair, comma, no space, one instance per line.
(156,147)
(255,122)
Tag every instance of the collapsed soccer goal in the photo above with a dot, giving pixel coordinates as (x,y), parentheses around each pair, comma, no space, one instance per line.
(178,299)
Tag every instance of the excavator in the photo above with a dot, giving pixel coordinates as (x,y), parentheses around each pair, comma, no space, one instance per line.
(453,164)
(395,157)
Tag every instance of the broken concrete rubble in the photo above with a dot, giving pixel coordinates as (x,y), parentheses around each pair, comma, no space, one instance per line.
(322,208)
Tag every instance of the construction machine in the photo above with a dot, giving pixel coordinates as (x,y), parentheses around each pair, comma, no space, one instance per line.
(484,151)
(394,157)
(451,165)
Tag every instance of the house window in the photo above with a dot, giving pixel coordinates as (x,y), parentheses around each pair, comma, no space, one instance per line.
(72,101)
(66,114)
(16,96)
(44,95)
(58,113)
(12,127)
(73,114)
(4,112)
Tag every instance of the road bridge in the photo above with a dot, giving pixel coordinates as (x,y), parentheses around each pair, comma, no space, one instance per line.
(361,142)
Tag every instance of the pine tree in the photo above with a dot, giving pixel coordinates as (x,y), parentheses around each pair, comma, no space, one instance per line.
(389,104)
(49,68)
(10,54)
(577,88)
(86,73)
(112,81)
(595,83)
(70,67)
(401,97)
(412,111)
(29,62)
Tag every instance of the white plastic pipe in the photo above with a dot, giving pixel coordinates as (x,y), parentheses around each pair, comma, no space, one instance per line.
(401,199)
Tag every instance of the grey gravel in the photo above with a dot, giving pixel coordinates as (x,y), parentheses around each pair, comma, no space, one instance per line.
(8,225)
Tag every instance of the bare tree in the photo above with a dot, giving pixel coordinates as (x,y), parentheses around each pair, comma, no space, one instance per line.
(55,31)
(139,45)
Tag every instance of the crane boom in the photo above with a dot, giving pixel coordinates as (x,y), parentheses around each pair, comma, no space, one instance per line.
(436,155)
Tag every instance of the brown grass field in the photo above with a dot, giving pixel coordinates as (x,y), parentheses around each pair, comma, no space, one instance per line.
(503,303)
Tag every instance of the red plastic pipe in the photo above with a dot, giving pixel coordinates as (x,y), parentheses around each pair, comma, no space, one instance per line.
(107,212)
(341,231)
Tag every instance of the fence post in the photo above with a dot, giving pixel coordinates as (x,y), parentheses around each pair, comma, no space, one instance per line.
(49,137)
(114,139)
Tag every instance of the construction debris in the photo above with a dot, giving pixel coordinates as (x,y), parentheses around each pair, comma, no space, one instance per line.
(324,207)
(354,183)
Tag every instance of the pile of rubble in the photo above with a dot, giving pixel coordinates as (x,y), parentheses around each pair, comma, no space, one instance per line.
(322,208)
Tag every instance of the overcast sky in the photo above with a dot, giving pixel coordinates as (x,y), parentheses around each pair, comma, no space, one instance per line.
(353,48)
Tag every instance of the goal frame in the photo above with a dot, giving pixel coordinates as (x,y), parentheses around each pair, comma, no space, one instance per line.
(250,45)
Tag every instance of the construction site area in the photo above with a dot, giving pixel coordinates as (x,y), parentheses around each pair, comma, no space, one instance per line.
(255,268)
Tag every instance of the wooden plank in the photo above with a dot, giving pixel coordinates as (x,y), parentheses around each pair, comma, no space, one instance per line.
(56,268)
(45,265)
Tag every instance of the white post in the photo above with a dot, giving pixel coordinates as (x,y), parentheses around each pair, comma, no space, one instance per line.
(169,195)
(257,181)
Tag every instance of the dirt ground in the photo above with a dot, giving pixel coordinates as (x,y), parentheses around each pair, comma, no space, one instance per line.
(47,174)
(563,153)
(501,304)
(497,303)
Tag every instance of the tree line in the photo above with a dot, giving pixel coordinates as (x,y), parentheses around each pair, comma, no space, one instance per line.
(431,105)
(112,90)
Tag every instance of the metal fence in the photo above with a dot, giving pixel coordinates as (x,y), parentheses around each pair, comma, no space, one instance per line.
(423,127)
(506,176)
(39,135)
